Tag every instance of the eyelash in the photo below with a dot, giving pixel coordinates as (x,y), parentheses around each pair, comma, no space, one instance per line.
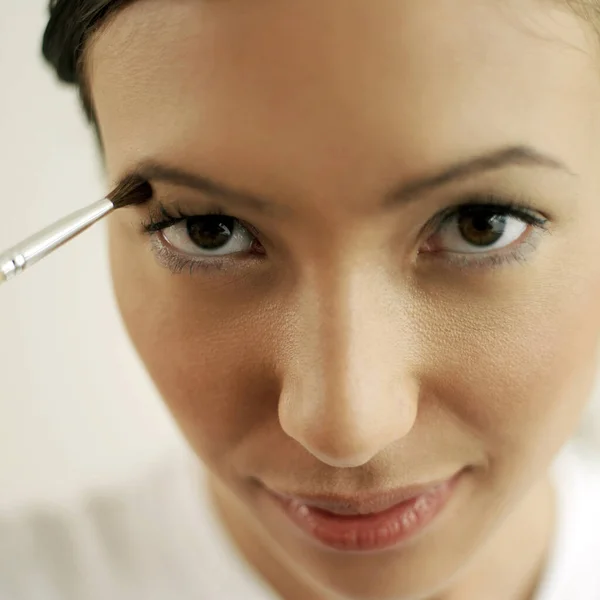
(501,207)
(162,218)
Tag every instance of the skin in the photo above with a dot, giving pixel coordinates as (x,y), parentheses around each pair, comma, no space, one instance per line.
(343,360)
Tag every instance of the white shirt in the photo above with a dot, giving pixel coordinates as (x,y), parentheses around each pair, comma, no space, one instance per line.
(159,539)
(573,569)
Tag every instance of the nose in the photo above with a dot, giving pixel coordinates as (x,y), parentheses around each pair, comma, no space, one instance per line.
(348,392)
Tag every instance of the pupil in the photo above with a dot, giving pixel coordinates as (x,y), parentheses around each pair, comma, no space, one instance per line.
(210,232)
(482,226)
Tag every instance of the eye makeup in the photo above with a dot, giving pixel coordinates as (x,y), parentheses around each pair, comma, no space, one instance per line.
(163,218)
(507,212)
(507,215)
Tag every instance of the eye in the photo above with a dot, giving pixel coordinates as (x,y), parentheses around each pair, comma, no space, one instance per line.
(208,235)
(480,229)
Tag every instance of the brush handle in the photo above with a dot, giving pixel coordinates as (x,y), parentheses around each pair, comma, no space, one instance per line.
(20,257)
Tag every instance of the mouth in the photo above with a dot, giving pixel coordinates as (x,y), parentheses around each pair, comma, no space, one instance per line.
(366,522)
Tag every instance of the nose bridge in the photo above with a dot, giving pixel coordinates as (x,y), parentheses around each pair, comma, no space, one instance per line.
(347,393)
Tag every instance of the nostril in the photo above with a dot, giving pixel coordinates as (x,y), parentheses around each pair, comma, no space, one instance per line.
(338,445)
(348,410)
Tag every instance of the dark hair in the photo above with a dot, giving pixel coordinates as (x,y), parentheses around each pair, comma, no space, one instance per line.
(71,24)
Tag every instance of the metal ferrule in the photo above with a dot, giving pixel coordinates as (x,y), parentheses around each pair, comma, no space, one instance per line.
(27,253)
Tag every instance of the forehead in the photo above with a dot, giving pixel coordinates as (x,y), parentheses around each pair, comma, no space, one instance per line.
(337,83)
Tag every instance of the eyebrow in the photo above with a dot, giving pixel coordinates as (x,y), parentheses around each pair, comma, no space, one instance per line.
(507,156)
(153,171)
(407,192)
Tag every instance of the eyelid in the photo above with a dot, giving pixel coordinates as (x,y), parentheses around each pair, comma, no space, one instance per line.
(510,206)
(161,216)
(538,224)
(505,206)
(498,258)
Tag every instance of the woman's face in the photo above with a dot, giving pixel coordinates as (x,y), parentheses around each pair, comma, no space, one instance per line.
(350,329)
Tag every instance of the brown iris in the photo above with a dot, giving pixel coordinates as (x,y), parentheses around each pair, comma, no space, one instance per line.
(210,232)
(481,226)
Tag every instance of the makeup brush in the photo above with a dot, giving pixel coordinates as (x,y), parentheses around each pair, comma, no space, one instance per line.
(132,190)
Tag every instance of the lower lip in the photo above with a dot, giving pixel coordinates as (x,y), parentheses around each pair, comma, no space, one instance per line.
(371,532)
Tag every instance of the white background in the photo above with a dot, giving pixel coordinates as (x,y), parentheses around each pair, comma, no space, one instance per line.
(76,407)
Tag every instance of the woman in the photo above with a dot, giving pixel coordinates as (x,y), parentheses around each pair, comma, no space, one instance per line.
(367,288)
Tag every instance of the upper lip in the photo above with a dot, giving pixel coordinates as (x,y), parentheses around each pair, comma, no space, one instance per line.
(361,503)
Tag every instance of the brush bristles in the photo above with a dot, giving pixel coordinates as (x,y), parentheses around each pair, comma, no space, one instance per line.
(133,190)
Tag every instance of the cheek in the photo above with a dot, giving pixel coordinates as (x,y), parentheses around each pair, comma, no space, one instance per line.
(516,363)
(209,360)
